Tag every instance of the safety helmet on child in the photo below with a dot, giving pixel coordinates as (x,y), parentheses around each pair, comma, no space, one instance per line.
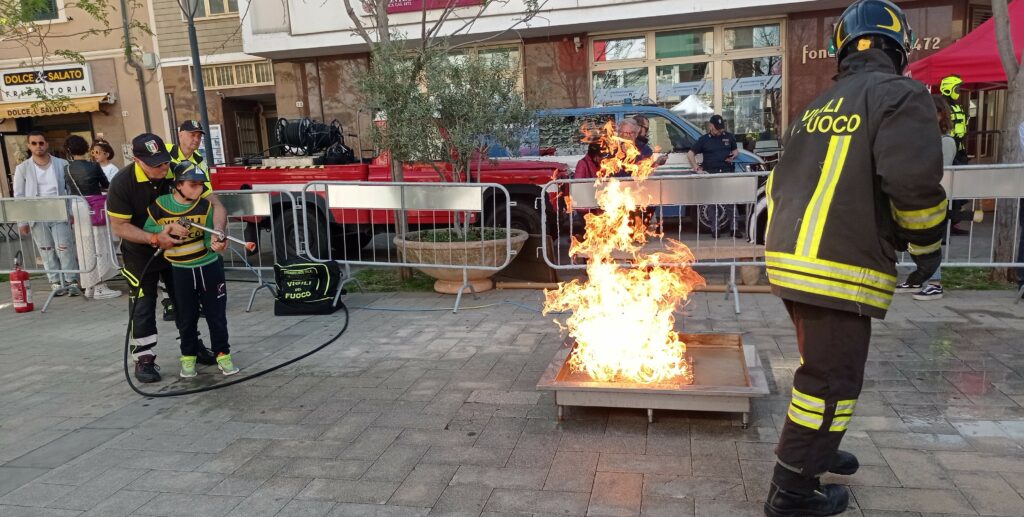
(187,171)
(950,86)
(874,24)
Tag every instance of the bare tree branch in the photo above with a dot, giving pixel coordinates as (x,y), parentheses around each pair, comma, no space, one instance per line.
(360,29)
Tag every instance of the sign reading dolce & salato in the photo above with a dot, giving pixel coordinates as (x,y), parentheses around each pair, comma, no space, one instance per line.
(59,80)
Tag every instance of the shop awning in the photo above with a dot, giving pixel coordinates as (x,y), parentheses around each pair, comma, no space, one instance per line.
(975,57)
(46,108)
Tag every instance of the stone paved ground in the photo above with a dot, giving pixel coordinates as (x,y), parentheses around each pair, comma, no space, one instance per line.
(430,413)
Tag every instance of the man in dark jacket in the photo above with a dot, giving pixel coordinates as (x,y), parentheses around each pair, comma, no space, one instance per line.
(850,191)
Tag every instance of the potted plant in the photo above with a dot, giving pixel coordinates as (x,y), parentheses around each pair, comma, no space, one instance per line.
(448,108)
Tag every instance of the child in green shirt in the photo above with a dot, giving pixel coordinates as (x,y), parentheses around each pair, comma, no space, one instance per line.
(196,267)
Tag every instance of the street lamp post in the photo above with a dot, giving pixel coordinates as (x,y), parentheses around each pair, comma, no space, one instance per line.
(197,68)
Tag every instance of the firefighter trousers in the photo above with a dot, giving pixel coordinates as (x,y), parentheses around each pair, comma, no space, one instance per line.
(833,350)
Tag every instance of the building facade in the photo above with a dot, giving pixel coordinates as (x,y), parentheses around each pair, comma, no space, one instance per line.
(240,99)
(757,62)
(105,97)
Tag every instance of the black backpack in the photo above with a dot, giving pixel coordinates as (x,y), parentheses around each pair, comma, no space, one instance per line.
(307,287)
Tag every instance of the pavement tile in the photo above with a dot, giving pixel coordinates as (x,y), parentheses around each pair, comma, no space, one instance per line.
(912,499)
(347,491)
(500,477)
(13,477)
(536,501)
(328,469)
(187,505)
(616,494)
(916,469)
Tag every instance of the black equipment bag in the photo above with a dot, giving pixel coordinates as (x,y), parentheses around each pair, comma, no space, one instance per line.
(307,287)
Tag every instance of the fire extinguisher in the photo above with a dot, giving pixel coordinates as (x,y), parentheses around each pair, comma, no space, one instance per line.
(21,289)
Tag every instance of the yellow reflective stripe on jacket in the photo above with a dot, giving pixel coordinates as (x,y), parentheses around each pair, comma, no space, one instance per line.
(924,250)
(808,402)
(920,219)
(816,213)
(845,407)
(823,287)
(831,269)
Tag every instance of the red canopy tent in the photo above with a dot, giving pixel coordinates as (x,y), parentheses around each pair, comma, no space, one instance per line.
(975,57)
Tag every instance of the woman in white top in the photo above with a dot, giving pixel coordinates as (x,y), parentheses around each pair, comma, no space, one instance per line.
(102,153)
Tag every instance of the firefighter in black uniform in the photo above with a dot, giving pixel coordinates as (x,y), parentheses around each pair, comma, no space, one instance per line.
(850,191)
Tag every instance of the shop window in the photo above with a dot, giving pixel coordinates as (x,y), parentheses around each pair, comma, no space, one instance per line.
(688,89)
(561,136)
(236,75)
(206,8)
(41,10)
(619,49)
(618,85)
(684,43)
(753,36)
(752,98)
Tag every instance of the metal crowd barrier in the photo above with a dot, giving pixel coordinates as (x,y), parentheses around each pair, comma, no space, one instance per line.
(266,218)
(342,218)
(72,210)
(707,212)
(979,196)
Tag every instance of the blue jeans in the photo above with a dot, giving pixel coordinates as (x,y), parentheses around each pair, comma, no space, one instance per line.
(56,244)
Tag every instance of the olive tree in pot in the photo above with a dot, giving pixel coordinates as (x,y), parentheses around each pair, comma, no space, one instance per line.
(448,108)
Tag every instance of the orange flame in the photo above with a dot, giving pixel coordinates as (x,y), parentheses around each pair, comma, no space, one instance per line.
(622,318)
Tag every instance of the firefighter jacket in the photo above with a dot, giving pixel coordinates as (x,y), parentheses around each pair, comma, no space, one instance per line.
(959,120)
(859,180)
(197,159)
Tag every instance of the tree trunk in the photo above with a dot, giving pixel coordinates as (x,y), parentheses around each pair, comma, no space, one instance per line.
(1010,150)
(401,221)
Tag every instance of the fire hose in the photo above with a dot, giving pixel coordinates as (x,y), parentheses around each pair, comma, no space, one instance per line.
(176,393)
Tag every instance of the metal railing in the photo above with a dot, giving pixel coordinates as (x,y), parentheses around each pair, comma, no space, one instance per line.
(471,232)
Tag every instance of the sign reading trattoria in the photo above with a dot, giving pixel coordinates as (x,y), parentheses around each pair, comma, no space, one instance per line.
(26,83)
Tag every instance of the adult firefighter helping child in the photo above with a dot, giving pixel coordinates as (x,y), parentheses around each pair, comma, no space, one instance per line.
(851,190)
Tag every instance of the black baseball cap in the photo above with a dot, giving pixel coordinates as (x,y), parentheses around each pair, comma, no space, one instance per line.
(192,126)
(717,121)
(150,149)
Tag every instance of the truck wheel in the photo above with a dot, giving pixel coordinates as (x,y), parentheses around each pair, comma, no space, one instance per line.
(349,244)
(285,231)
(523,217)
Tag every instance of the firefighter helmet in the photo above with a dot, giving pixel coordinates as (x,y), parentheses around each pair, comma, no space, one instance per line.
(880,18)
(950,86)
(187,171)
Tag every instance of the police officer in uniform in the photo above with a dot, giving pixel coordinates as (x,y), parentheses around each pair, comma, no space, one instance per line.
(850,191)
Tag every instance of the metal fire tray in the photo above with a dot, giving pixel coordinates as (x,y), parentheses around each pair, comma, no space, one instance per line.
(727,374)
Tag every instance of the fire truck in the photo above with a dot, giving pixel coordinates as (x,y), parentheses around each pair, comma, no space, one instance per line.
(324,158)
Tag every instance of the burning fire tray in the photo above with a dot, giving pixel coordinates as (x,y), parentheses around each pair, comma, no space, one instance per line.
(727,374)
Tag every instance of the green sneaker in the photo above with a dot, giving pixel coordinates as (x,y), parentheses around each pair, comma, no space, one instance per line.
(188,366)
(225,364)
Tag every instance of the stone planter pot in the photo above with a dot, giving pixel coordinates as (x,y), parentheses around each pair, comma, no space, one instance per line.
(449,281)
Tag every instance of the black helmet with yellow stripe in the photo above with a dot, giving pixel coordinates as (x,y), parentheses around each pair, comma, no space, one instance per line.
(874,24)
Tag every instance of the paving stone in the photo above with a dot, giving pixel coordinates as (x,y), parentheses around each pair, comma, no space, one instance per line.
(120,504)
(462,500)
(504,397)
(395,463)
(304,508)
(35,494)
(694,488)
(980,462)
(572,471)
(65,448)
(328,469)
(916,469)
(346,491)
(989,493)
(305,449)
(424,485)
(187,505)
(26,511)
(178,482)
(716,508)
(535,501)
(480,456)
(98,489)
(911,499)
(657,506)
(13,477)
(644,464)
(369,510)
(496,477)
(616,494)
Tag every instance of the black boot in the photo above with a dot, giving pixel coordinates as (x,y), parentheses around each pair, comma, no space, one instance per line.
(146,369)
(169,312)
(844,464)
(826,500)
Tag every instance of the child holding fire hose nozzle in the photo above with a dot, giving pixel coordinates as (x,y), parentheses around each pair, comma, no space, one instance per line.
(197,268)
